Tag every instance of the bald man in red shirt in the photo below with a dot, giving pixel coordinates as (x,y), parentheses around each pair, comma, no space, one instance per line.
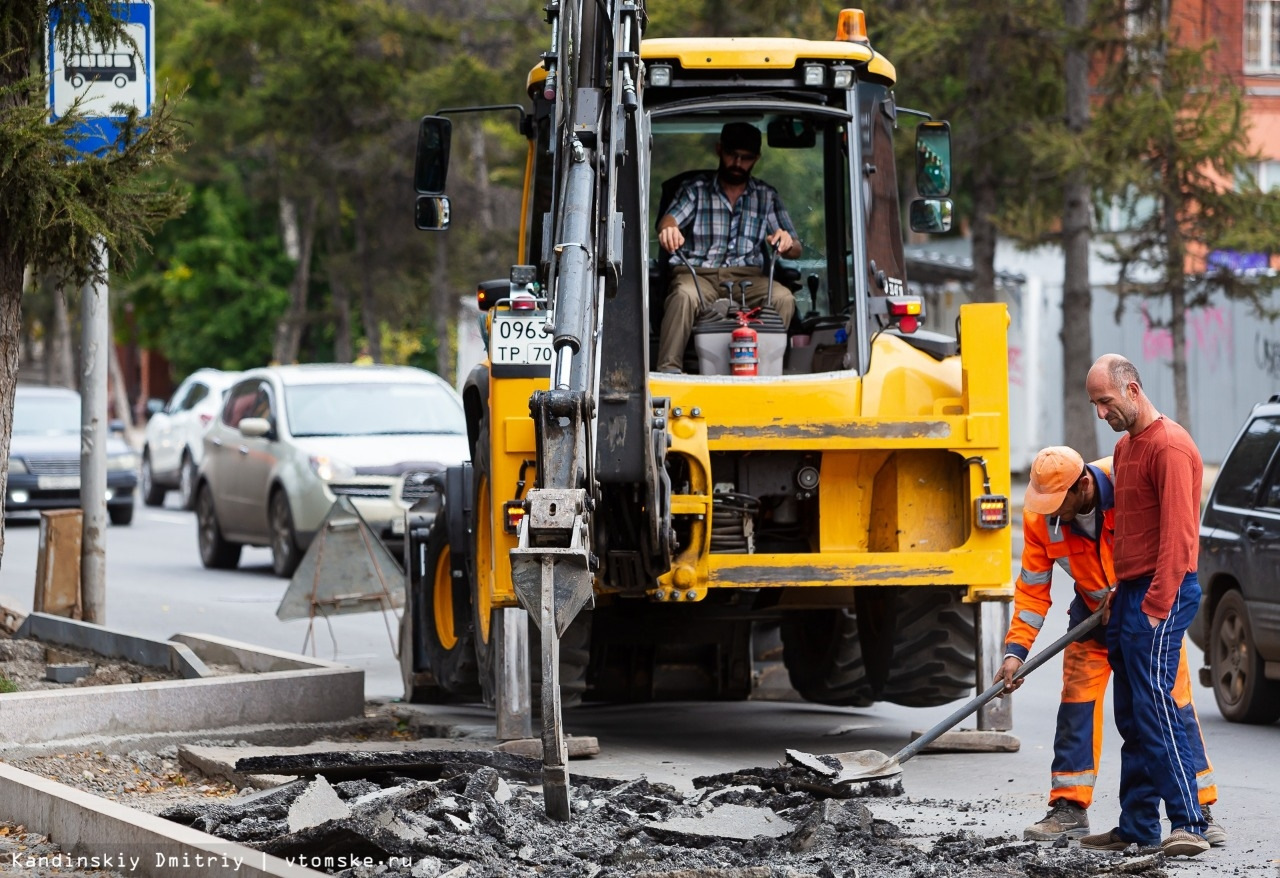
(1157,474)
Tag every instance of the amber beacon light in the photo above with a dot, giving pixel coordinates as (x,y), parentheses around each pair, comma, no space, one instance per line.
(851,26)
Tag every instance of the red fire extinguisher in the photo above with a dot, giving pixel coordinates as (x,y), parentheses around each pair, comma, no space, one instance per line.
(743,344)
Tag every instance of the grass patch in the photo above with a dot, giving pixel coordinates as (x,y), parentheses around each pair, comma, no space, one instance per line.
(7,685)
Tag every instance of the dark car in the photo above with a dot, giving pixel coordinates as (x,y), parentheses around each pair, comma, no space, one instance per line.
(1238,625)
(44,457)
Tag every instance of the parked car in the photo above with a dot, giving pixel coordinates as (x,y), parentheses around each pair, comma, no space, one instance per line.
(44,456)
(174,442)
(1238,624)
(290,440)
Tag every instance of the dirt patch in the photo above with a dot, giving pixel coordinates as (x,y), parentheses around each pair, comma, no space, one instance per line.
(25,665)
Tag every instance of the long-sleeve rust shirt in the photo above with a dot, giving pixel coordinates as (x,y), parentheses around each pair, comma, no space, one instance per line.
(1157,478)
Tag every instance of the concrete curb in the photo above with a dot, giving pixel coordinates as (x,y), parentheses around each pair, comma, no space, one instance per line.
(282,693)
(313,691)
(101,834)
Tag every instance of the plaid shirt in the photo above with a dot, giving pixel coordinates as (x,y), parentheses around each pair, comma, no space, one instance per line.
(723,236)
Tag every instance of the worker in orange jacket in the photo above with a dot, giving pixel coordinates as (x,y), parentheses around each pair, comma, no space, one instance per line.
(1068,519)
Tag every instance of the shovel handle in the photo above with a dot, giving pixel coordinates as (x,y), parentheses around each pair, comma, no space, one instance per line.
(996,688)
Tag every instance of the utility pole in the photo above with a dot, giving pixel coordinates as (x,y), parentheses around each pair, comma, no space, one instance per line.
(94,341)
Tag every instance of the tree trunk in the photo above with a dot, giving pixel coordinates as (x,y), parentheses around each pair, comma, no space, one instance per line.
(368,304)
(985,201)
(443,307)
(1078,417)
(60,364)
(289,330)
(119,389)
(11,267)
(339,293)
(1175,270)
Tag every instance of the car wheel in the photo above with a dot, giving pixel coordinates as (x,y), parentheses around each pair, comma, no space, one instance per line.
(187,482)
(1243,693)
(216,553)
(285,554)
(120,515)
(152,494)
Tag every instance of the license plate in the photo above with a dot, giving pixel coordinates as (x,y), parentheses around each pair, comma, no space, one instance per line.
(517,339)
(58,483)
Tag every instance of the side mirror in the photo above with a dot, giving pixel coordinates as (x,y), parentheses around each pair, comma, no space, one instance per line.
(933,159)
(154,407)
(431,213)
(115,426)
(255,427)
(931,215)
(431,167)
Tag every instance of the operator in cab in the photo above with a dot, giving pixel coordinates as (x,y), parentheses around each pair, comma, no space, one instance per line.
(734,222)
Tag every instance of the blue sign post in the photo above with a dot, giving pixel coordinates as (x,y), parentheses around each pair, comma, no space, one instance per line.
(103,77)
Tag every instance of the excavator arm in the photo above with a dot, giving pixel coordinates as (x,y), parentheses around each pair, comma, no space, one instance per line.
(595,255)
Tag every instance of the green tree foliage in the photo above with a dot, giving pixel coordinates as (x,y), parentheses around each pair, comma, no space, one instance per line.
(224,270)
(54,203)
(991,68)
(1168,144)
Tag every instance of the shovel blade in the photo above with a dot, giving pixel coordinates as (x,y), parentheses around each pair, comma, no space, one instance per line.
(848,768)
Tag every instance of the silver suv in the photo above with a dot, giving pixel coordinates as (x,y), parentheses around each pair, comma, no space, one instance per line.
(290,440)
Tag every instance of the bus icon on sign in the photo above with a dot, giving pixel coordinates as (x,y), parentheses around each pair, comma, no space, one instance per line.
(115,67)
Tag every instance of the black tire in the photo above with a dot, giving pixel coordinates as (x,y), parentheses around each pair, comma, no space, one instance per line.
(447,634)
(121,515)
(187,482)
(216,553)
(934,659)
(285,553)
(1243,693)
(823,656)
(152,494)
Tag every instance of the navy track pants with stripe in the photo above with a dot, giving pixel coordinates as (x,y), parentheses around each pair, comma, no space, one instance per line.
(1157,762)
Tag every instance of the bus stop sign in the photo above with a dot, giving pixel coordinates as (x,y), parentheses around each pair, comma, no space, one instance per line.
(103,77)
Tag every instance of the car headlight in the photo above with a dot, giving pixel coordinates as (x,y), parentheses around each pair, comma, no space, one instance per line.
(17,466)
(329,468)
(118,462)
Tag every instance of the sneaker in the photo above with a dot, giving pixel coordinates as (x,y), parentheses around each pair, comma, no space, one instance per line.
(1182,843)
(1215,834)
(1105,841)
(1064,820)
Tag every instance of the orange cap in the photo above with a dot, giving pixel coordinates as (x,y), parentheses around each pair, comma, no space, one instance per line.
(1053,472)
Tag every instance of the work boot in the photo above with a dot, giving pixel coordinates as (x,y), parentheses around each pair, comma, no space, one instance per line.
(1215,834)
(1183,843)
(1105,841)
(1064,820)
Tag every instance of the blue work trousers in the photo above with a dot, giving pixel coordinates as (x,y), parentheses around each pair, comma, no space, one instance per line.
(1157,762)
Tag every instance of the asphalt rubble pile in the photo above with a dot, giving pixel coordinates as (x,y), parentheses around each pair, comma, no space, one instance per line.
(479,814)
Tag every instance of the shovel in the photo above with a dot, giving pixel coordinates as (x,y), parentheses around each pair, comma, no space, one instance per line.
(870,765)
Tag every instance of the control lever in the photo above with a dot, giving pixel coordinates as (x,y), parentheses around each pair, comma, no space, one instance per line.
(812,282)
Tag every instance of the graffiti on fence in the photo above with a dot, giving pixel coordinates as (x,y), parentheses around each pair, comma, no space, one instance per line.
(1208,334)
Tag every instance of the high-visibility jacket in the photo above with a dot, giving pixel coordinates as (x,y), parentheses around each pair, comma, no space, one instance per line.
(1046,542)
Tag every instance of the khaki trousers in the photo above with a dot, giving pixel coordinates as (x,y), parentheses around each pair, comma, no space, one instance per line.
(684,301)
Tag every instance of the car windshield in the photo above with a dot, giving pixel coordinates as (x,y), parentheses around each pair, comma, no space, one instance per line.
(371,409)
(45,415)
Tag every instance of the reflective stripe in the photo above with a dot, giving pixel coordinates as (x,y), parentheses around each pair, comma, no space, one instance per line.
(1098,593)
(1083,779)
(1205,780)
(1035,578)
(1035,620)
(1057,534)
(1065,563)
